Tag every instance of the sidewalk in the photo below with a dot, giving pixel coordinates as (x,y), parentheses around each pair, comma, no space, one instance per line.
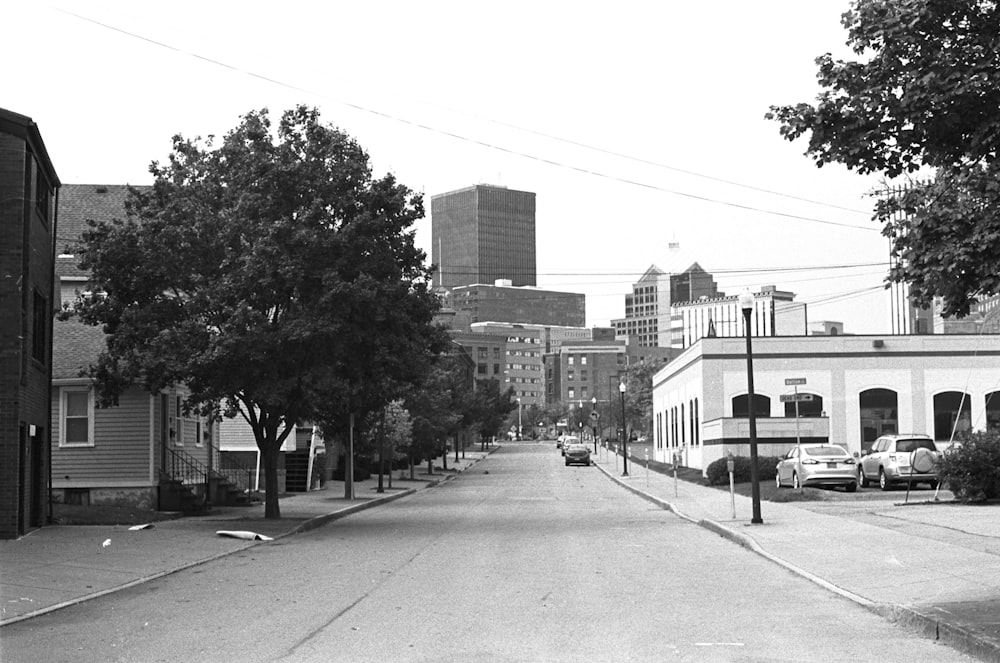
(932,566)
(57,566)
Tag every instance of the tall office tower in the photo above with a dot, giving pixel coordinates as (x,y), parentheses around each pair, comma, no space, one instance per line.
(481,234)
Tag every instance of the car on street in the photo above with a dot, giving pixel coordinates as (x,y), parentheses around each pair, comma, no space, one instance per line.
(900,459)
(568,440)
(577,453)
(818,465)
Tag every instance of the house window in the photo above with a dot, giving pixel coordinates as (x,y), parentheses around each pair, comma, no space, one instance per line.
(569,359)
(572,393)
(583,359)
(76,418)
(41,194)
(583,374)
(39,317)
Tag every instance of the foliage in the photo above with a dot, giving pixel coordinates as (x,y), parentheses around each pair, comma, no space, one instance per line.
(971,468)
(717,473)
(272,274)
(924,94)
(639,396)
(491,407)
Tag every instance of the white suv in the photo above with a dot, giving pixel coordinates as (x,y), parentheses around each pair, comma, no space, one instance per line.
(900,459)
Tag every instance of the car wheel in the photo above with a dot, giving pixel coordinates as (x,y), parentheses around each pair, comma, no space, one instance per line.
(883,480)
(795,481)
(777,480)
(862,479)
(851,487)
(567,463)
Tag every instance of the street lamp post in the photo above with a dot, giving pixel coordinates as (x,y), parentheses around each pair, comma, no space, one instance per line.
(746,304)
(593,420)
(519,419)
(621,390)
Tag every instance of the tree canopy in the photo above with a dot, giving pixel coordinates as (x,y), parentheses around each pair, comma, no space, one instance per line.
(923,97)
(271,274)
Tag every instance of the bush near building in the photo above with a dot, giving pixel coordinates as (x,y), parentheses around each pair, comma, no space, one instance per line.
(718,474)
(971,467)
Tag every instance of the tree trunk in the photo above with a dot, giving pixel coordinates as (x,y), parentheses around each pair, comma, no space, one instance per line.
(269,456)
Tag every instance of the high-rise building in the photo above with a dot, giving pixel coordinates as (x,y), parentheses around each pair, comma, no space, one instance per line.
(647,320)
(481,234)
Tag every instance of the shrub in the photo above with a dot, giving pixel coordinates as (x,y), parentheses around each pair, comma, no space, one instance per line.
(718,475)
(971,468)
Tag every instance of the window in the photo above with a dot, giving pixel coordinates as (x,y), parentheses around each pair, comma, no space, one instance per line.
(481,369)
(583,374)
(569,359)
(39,317)
(41,194)
(583,359)
(76,418)
(572,393)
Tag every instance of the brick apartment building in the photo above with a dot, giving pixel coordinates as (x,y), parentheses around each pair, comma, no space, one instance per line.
(28,200)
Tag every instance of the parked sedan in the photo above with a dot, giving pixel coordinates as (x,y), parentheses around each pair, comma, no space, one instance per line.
(819,465)
(577,453)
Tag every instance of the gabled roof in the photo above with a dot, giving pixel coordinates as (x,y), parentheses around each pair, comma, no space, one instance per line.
(79,203)
(75,346)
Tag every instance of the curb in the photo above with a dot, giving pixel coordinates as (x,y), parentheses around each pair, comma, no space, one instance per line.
(950,635)
(304,526)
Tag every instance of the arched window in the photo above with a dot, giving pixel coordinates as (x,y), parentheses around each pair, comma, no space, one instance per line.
(762,406)
(952,413)
(697,426)
(878,415)
(683,432)
(993,411)
(813,408)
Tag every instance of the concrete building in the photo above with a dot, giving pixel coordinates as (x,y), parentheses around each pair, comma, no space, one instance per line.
(502,302)
(648,315)
(488,350)
(522,359)
(483,233)
(775,314)
(861,387)
(29,190)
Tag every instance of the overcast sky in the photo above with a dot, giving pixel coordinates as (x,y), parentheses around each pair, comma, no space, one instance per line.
(635,123)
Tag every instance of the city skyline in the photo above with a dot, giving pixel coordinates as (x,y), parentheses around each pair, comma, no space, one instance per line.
(636,127)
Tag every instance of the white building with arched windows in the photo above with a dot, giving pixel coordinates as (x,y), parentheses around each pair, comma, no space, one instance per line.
(861,387)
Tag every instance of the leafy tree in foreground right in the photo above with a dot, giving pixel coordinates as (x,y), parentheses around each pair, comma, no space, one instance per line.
(924,95)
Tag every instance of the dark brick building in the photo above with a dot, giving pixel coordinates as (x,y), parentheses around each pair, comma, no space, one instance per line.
(502,302)
(481,234)
(28,200)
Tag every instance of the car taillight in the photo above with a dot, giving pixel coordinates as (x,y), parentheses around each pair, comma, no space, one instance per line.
(810,461)
(848,461)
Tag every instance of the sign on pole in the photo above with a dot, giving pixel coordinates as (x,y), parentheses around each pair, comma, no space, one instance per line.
(793,398)
(794,381)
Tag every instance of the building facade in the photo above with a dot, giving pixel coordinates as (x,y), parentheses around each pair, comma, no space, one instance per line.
(502,302)
(522,359)
(861,387)
(29,190)
(775,313)
(648,309)
(483,233)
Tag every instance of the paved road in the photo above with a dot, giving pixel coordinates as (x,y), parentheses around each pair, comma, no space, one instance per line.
(518,559)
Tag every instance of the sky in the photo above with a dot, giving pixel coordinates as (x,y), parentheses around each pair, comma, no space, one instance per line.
(636,124)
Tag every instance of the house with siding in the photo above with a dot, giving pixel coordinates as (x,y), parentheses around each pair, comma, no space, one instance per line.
(148,450)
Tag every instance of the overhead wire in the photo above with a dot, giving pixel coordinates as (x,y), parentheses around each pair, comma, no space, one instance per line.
(451,134)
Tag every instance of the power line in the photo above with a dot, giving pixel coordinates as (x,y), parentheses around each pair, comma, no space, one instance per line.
(481,143)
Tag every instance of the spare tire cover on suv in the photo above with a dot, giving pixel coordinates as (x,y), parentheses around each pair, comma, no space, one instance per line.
(923,460)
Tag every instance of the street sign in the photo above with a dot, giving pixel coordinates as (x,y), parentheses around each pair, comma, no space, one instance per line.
(793,381)
(595,415)
(791,398)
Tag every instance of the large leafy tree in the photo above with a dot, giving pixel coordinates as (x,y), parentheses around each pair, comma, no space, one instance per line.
(922,99)
(266,273)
